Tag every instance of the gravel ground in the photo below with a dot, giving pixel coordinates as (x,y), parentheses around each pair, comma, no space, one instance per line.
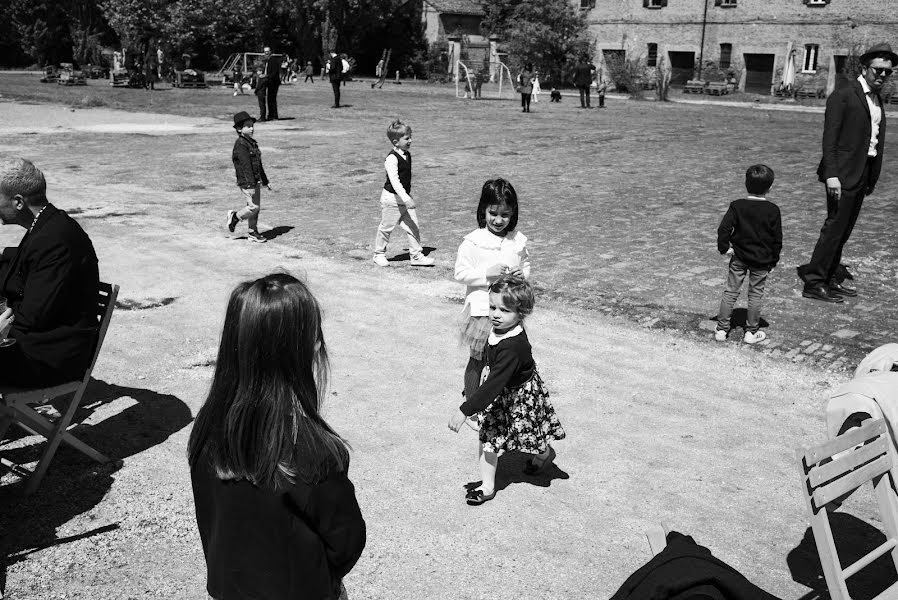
(662,425)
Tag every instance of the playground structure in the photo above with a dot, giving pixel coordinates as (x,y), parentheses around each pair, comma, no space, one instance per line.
(384,68)
(467,74)
(248,62)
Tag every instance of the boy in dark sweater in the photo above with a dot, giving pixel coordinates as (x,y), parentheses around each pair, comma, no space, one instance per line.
(751,233)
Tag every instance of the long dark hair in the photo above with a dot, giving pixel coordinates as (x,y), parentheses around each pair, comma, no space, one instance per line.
(261,420)
(498,191)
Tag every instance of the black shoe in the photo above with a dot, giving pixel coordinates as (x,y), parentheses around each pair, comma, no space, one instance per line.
(841,290)
(820,292)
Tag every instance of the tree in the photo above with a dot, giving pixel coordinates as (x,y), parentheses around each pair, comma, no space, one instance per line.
(43,31)
(551,34)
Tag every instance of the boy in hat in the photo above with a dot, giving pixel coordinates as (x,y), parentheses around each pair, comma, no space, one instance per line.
(250,176)
(853,143)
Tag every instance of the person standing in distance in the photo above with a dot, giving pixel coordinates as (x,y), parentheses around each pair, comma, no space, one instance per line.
(854,133)
(273,74)
(335,75)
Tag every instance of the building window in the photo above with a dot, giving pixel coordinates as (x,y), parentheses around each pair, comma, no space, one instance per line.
(652,59)
(587,4)
(654,3)
(726,55)
(810,58)
(816,2)
(725,3)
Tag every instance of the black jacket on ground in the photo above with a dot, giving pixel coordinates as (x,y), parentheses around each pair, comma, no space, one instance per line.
(51,282)
(755,230)
(686,571)
(262,544)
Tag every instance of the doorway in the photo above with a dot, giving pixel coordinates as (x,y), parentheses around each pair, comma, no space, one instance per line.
(758,73)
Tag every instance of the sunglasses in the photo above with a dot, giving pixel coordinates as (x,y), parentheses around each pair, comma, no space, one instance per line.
(881,71)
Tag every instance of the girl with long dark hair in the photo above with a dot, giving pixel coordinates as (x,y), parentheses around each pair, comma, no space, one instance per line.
(276,511)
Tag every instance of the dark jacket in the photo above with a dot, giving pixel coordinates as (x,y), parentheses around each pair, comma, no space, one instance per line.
(335,72)
(684,571)
(259,84)
(248,163)
(273,70)
(263,544)
(846,137)
(755,230)
(583,74)
(51,281)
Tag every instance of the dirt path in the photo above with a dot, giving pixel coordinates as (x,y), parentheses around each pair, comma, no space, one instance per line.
(660,428)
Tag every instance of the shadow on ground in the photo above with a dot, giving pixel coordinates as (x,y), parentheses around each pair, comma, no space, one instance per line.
(74,483)
(854,538)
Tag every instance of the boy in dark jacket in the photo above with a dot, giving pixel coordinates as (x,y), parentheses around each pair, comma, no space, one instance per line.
(260,89)
(751,233)
(250,176)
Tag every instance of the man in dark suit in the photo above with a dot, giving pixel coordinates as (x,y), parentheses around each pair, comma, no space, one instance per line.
(335,75)
(584,72)
(854,134)
(273,77)
(50,281)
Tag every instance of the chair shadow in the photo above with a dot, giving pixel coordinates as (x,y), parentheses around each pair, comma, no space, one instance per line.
(854,538)
(740,318)
(74,483)
(276,231)
(405,256)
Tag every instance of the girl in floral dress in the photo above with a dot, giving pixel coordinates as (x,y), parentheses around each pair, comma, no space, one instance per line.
(511,405)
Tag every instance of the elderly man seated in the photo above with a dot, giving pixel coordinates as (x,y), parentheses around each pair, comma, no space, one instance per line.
(50,283)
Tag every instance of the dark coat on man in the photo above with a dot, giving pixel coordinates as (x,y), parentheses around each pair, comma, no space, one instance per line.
(51,281)
(846,137)
(583,73)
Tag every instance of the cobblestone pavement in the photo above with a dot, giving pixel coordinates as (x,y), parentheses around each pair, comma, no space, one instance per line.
(621,205)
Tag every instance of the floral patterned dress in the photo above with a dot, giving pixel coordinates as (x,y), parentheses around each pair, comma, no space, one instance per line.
(512,404)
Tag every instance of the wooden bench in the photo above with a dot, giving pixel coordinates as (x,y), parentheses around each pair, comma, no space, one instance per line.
(717,88)
(694,86)
(805,93)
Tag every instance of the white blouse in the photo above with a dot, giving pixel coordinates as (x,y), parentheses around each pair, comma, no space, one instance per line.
(479,251)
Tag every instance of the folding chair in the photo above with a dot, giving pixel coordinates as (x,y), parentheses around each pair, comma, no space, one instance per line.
(15,403)
(831,472)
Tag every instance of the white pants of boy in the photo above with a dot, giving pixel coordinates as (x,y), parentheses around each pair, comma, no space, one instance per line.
(250,214)
(392,213)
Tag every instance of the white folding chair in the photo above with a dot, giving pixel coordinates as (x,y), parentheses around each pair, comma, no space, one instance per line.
(15,403)
(832,471)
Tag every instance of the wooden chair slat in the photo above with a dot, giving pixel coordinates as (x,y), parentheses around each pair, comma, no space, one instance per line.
(854,458)
(845,441)
(851,481)
(868,558)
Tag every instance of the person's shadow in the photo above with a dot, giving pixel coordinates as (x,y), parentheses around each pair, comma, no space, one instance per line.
(854,538)
(511,470)
(276,231)
(74,483)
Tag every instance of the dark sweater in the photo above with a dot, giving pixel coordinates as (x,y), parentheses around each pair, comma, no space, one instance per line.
(754,229)
(263,544)
(405,173)
(511,365)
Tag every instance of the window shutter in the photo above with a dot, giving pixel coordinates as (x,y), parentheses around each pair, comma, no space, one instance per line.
(645,3)
(663,3)
(718,2)
(592,3)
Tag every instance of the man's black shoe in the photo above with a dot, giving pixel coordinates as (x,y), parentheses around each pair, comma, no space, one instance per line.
(820,292)
(841,290)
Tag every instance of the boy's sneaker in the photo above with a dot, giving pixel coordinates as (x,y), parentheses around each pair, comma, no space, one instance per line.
(422,261)
(754,338)
(720,335)
(232,220)
(255,236)
(381,260)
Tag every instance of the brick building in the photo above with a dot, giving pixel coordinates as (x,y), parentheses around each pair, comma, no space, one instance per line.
(752,39)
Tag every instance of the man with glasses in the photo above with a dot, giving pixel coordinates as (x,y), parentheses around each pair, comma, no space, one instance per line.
(853,143)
